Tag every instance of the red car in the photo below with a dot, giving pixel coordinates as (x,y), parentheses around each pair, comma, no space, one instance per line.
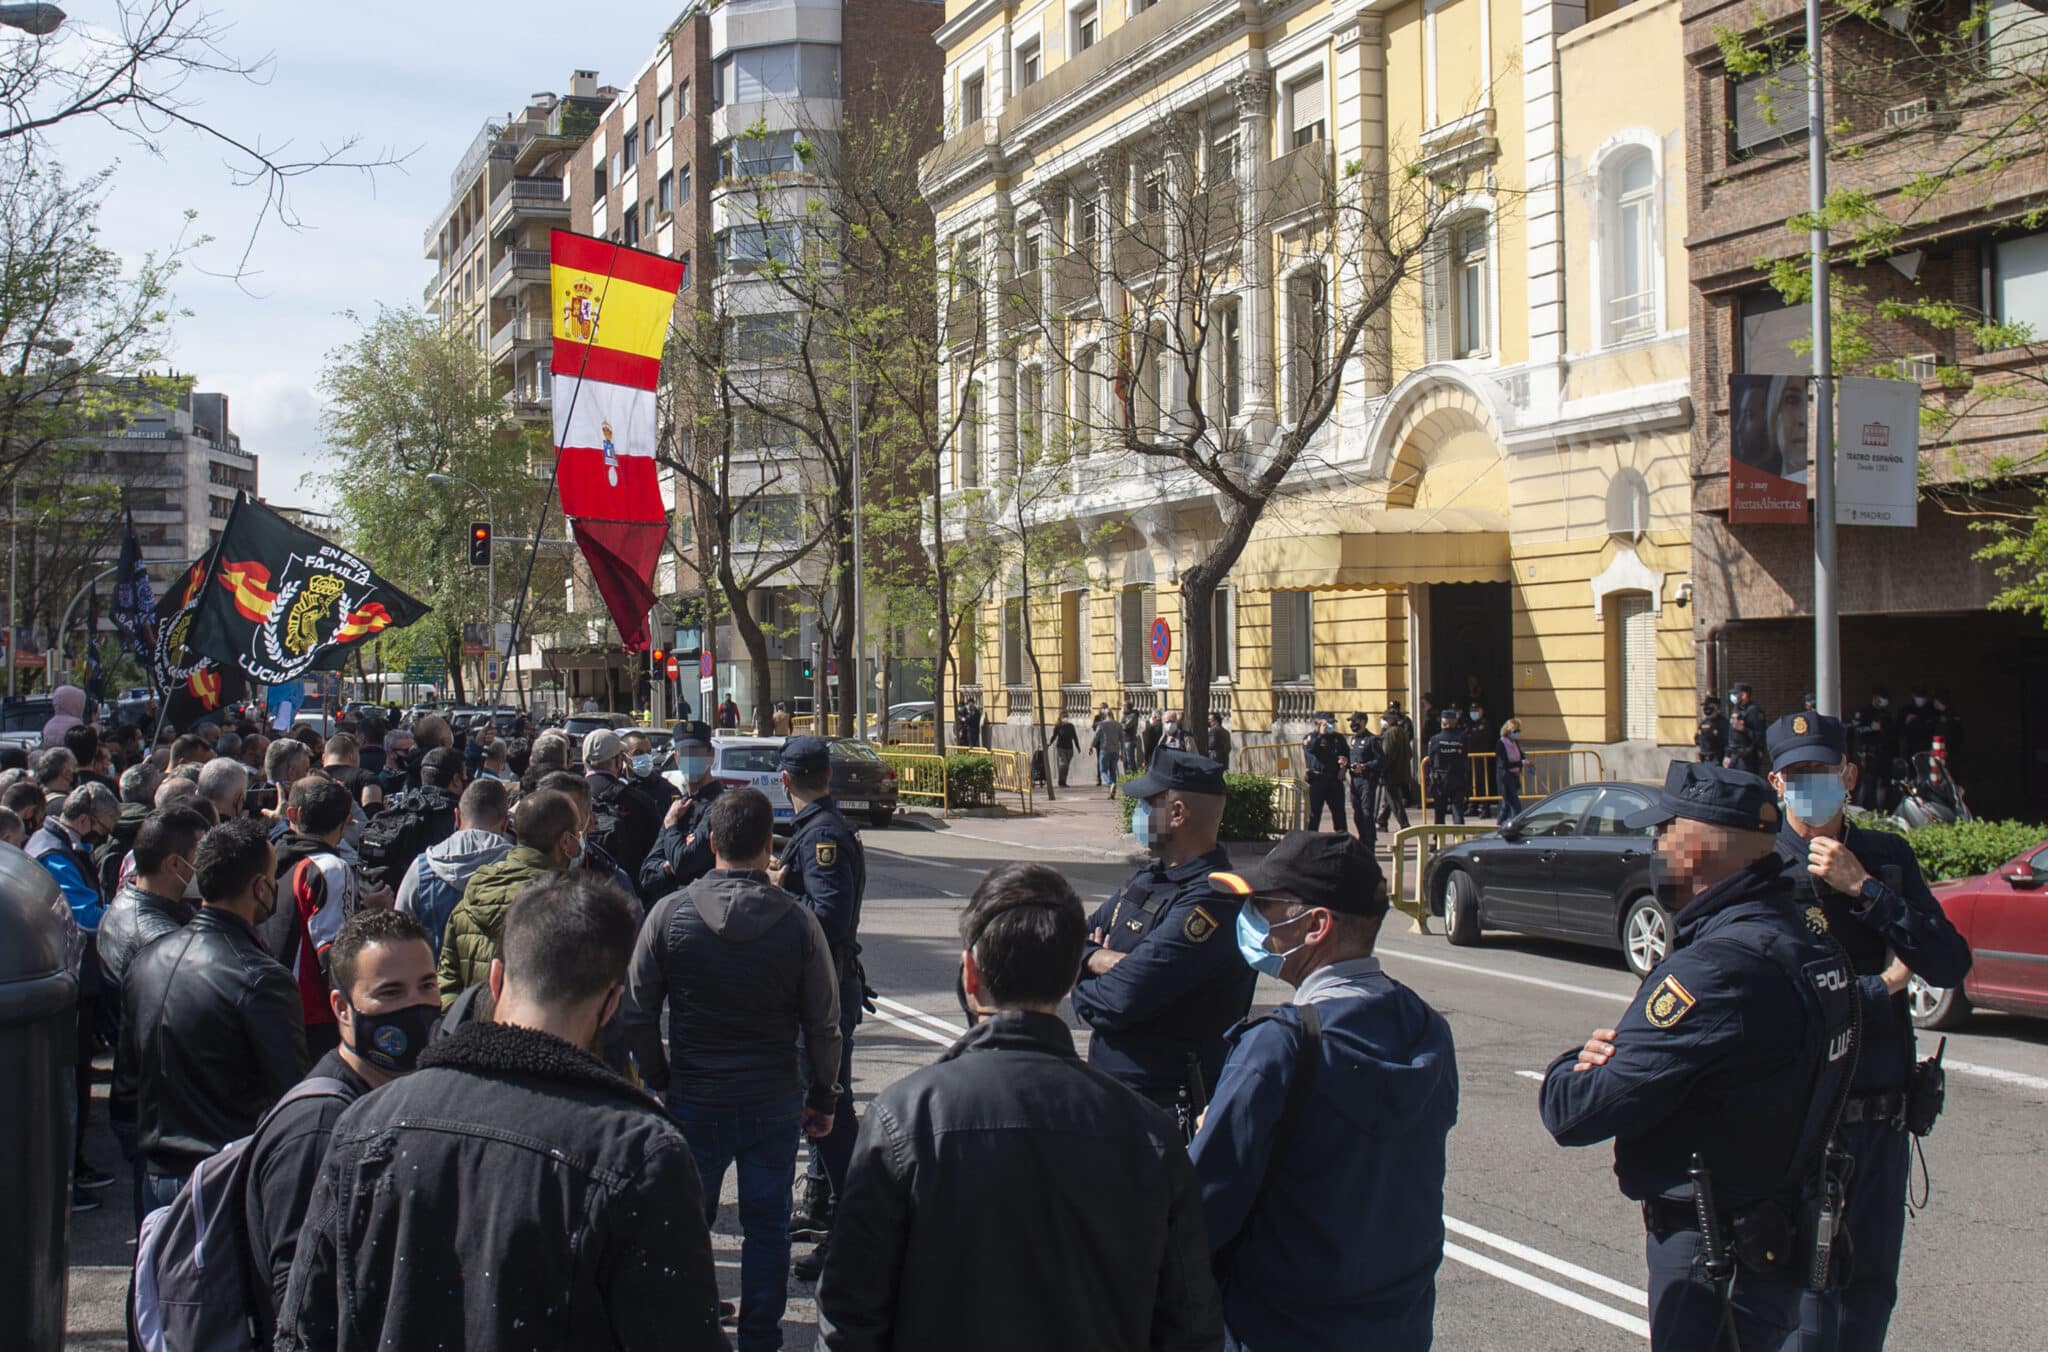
(2003,916)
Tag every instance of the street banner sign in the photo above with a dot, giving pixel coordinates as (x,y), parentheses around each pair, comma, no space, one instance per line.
(1767,455)
(1877,454)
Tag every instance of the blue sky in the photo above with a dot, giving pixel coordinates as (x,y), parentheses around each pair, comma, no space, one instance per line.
(420,78)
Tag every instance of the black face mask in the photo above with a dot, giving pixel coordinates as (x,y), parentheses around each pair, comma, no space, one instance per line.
(392,1041)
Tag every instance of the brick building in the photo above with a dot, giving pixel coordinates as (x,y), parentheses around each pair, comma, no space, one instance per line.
(1914,602)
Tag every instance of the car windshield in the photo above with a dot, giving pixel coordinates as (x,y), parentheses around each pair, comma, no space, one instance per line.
(854,751)
(580,727)
(27,716)
(750,759)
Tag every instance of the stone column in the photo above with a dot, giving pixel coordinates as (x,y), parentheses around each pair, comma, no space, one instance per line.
(1253,95)
(1363,201)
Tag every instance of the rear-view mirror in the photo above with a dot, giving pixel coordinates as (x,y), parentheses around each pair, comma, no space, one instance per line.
(1510,831)
(2025,879)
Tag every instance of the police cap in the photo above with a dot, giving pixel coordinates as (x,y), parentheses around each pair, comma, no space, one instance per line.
(691,733)
(1711,794)
(1806,737)
(805,755)
(1320,868)
(1182,770)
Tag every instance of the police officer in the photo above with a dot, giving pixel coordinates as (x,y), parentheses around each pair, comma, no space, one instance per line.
(1364,756)
(1710,739)
(1325,761)
(1161,981)
(682,852)
(1746,728)
(1876,745)
(1878,906)
(823,866)
(1736,1052)
(1449,769)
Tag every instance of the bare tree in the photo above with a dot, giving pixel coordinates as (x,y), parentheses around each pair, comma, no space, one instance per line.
(1157,300)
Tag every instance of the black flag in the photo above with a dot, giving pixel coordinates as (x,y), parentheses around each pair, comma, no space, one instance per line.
(279,601)
(134,608)
(192,686)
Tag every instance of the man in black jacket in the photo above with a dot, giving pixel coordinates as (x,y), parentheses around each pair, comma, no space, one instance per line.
(209,1020)
(682,852)
(1011,1145)
(387,1001)
(742,966)
(624,820)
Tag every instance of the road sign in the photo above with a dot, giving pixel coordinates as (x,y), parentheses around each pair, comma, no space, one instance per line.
(704,685)
(832,668)
(704,667)
(675,668)
(492,665)
(1162,641)
(426,668)
(1159,681)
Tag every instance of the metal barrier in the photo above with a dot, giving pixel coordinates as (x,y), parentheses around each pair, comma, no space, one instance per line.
(1274,759)
(1013,773)
(1544,772)
(1289,804)
(911,734)
(1428,840)
(919,776)
(802,723)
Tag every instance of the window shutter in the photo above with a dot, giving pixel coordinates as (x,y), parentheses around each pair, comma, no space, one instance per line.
(1133,645)
(1437,339)
(1283,637)
(1638,666)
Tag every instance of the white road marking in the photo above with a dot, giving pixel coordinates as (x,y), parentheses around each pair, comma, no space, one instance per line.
(1536,1257)
(1492,1267)
(914,1029)
(948,1027)
(1530,1074)
(2017,1079)
(1389,950)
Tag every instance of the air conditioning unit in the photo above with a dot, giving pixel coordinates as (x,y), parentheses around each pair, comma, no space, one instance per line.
(1922,367)
(1907,113)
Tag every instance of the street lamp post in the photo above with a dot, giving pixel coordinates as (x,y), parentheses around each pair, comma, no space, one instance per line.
(490,568)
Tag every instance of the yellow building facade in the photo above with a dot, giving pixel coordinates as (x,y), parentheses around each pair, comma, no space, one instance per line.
(1498,505)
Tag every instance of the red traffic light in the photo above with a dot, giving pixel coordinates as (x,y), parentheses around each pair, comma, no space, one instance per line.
(660,656)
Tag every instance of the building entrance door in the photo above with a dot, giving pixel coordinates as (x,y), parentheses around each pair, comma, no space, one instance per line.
(1471,647)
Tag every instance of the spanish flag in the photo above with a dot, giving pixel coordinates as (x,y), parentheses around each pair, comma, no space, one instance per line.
(611,315)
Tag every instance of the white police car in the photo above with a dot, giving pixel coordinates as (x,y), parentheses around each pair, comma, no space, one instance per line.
(747,762)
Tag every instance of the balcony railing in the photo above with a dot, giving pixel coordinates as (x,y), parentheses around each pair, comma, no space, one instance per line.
(540,197)
(1140,247)
(1074,701)
(1219,698)
(1293,700)
(525,265)
(1296,182)
(1143,698)
(1631,316)
(520,329)
(1074,280)
(1017,701)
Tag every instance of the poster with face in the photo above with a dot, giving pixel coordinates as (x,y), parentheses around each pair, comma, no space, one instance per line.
(1767,449)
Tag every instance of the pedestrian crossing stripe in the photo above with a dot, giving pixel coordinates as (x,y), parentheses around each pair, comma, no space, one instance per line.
(1667,1004)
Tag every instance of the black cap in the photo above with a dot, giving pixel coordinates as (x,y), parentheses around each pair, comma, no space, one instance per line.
(1325,715)
(1182,770)
(1358,720)
(805,755)
(1449,715)
(1322,868)
(1711,794)
(691,733)
(1807,737)
(440,766)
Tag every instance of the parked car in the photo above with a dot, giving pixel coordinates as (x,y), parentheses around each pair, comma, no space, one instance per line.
(22,719)
(2003,916)
(911,714)
(1565,868)
(862,784)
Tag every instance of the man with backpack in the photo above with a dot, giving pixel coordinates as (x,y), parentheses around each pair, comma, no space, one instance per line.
(1334,1106)
(547,840)
(317,892)
(415,821)
(210,1020)
(624,819)
(438,878)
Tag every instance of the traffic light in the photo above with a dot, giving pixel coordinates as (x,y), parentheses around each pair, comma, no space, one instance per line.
(658,657)
(479,544)
(808,668)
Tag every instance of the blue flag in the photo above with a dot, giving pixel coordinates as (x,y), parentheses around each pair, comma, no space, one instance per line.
(134,609)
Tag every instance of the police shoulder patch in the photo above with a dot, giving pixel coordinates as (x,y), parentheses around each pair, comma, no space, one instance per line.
(828,853)
(1816,920)
(1667,1004)
(1198,926)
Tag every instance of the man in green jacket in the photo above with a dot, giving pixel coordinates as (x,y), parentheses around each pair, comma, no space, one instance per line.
(545,826)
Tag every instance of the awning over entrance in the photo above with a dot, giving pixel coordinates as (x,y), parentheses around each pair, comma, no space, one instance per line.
(1386,548)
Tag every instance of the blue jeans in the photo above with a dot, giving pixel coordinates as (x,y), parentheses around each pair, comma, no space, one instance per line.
(761,1137)
(1105,768)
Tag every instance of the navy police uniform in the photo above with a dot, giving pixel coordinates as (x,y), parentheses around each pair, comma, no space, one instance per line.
(1365,778)
(1165,1008)
(1746,733)
(1323,761)
(1894,913)
(825,868)
(682,853)
(1738,1048)
(1450,771)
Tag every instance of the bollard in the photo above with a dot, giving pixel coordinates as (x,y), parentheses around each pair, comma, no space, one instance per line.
(38,1044)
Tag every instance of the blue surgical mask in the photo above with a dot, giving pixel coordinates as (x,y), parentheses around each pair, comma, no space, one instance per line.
(695,767)
(1815,799)
(1477,715)
(643,765)
(1141,824)
(1252,934)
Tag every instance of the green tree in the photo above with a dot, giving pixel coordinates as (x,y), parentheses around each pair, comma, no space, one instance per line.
(407,398)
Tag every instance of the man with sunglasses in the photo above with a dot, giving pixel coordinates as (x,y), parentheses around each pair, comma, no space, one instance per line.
(1335,1106)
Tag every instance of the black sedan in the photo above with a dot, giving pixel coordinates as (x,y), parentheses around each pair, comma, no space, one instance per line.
(1566,868)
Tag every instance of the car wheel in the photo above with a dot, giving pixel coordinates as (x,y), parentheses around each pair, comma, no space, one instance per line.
(1935,1006)
(881,820)
(1461,908)
(1645,935)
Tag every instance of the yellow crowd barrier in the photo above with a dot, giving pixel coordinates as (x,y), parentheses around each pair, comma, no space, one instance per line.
(1544,772)
(1013,773)
(919,776)
(1289,804)
(1428,840)
(911,734)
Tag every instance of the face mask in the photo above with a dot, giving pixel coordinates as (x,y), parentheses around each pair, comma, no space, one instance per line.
(1252,933)
(1146,827)
(394,1039)
(1879,702)
(1919,701)
(695,767)
(1477,715)
(643,765)
(268,904)
(1815,798)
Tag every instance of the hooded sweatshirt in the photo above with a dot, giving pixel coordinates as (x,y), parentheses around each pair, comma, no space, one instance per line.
(69,701)
(1369,1140)
(438,878)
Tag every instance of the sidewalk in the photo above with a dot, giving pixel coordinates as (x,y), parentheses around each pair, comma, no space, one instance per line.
(1082,820)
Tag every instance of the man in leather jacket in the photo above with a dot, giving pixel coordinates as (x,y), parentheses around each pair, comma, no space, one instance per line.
(1046,1162)
(210,1021)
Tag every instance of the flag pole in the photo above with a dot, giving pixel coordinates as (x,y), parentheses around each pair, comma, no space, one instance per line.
(554,474)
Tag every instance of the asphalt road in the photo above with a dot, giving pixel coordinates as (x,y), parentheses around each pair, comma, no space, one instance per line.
(1544,1253)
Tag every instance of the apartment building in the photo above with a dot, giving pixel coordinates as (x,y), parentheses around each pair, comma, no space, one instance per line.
(1498,505)
(1913,601)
